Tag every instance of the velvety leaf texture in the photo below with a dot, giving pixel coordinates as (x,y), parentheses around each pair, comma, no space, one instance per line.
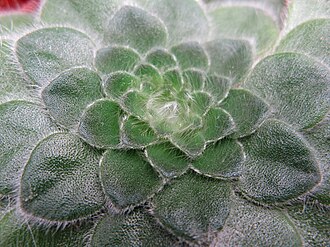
(143,123)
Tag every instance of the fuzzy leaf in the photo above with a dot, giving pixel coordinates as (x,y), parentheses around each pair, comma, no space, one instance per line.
(135,229)
(138,133)
(319,137)
(14,233)
(80,13)
(193,205)
(12,85)
(173,79)
(193,79)
(127,178)
(305,10)
(247,23)
(47,52)
(191,55)
(250,224)
(60,181)
(68,95)
(190,142)
(279,164)
(222,159)
(218,87)
(22,125)
(118,84)
(312,222)
(309,38)
(136,28)
(296,87)
(161,59)
(116,58)
(150,77)
(168,159)
(135,103)
(184,19)
(230,58)
(99,125)
(247,110)
(217,124)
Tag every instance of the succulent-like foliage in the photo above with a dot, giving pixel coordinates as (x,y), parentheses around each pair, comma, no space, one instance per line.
(165,123)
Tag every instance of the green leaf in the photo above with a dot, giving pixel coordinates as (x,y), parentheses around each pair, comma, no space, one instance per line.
(319,137)
(243,22)
(193,205)
(127,178)
(252,225)
(119,83)
(135,103)
(185,19)
(161,59)
(312,222)
(217,86)
(310,39)
(191,55)
(223,159)
(305,10)
(199,103)
(22,125)
(149,76)
(217,124)
(60,181)
(173,80)
(193,79)
(247,110)
(80,13)
(69,94)
(135,229)
(12,84)
(14,22)
(169,160)
(230,58)
(138,133)
(16,233)
(99,125)
(296,87)
(136,28)
(190,142)
(279,165)
(116,58)
(45,53)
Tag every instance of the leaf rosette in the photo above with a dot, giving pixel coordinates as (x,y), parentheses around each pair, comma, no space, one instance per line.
(169,130)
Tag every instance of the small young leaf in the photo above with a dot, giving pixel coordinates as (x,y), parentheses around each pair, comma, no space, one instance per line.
(168,159)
